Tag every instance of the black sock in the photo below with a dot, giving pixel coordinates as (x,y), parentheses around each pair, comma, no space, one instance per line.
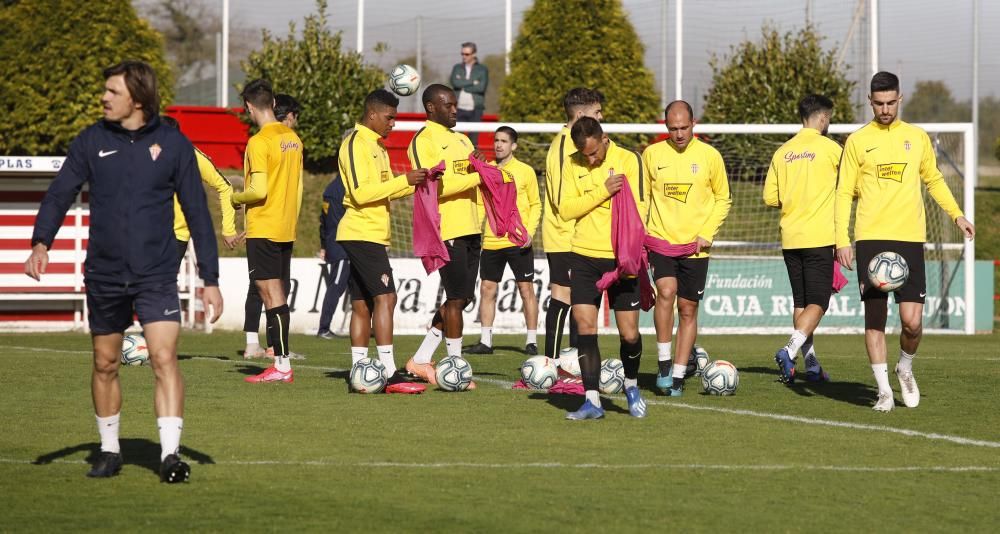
(574,331)
(631,354)
(555,318)
(590,361)
(678,383)
(277,329)
(665,367)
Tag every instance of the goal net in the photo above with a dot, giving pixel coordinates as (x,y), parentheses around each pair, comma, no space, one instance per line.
(747,289)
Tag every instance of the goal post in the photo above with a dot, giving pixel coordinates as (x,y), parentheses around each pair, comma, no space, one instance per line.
(747,290)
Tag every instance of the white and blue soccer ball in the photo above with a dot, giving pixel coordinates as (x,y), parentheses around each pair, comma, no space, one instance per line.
(612,376)
(368,376)
(697,362)
(539,372)
(888,271)
(720,378)
(404,80)
(569,360)
(134,351)
(454,373)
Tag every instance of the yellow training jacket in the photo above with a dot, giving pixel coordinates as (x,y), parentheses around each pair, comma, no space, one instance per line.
(529,206)
(457,194)
(272,189)
(210,176)
(557,233)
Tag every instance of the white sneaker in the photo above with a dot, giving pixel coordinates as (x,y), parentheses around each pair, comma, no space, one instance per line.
(908,385)
(253,351)
(885,402)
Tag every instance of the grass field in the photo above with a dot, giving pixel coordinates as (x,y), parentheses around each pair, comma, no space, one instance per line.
(310,456)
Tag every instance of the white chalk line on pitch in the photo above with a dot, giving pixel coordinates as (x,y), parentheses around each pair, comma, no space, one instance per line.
(561,465)
(506,384)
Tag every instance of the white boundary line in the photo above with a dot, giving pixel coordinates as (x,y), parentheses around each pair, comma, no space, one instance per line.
(561,465)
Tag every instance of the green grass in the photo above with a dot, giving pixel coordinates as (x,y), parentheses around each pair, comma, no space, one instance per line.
(501,460)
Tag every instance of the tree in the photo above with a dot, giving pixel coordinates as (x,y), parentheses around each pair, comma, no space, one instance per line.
(570,43)
(60,48)
(331,84)
(932,101)
(762,82)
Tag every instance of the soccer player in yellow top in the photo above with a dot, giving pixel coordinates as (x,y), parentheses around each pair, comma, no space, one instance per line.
(364,230)
(589,179)
(211,176)
(689,200)
(273,195)
(885,162)
(498,252)
(557,233)
(801,181)
(461,226)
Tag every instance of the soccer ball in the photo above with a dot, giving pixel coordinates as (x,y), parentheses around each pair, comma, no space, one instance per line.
(368,376)
(539,372)
(454,373)
(697,362)
(720,378)
(404,80)
(134,351)
(612,376)
(569,360)
(888,271)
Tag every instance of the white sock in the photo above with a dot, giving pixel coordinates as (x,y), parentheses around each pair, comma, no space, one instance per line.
(453,346)
(663,351)
(486,337)
(107,427)
(631,383)
(283,363)
(905,361)
(253,338)
(427,347)
(170,435)
(386,357)
(795,343)
(593,396)
(532,337)
(679,370)
(881,372)
(358,354)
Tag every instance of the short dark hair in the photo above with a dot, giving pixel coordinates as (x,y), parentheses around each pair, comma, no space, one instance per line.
(170,121)
(813,104)
(509,131)
(432,91)
(140,80)
(285,104)
(380,98)
(578,97)
(470,44)
(583,129)
(884,81)
(259,93)
(684,103)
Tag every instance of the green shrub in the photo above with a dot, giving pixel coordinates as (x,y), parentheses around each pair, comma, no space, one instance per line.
(55,52)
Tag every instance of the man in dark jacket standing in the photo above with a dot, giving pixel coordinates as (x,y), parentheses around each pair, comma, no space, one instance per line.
(337,270)
(133,167)
(469,79)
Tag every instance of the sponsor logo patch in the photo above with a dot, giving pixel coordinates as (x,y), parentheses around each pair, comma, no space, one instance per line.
(678,192)
(386,175)
(890,171)
(460,166)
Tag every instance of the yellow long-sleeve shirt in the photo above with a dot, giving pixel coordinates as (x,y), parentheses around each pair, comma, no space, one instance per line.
(457,194)
(689,192)
(369,187)
(557,233)
(272,168)
(802,181)
(529,205)
(586,199)
(211,176)
(886,164)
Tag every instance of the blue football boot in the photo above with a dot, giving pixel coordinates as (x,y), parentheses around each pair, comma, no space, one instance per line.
(587,411)
(785,365)
(636,406)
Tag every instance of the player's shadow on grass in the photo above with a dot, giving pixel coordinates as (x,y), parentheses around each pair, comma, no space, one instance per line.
(571,403)
(250,369)
(139,452)
(199,356)
(338,375)
(854,393)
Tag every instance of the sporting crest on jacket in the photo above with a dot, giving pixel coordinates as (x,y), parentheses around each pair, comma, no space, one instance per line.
(154,151)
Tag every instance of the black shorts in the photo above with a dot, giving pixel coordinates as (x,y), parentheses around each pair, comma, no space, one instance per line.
(690,273)
(915,287)
(458,276)
(269,260)
(559,268)
(371,274)
(110,305)
(810,271)
(521,261)
(622,296)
